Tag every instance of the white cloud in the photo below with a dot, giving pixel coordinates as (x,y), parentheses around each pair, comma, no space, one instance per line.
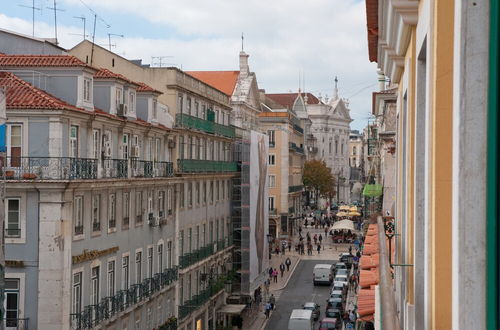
(322,38)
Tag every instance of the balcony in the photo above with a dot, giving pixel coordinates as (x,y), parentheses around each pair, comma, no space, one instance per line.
(273,211)
(48,168)
(110,307)
(294,147)
(297,128)
(197,255)
(186,121)
(66,168)
(203,166)
(18,324)
(294,189)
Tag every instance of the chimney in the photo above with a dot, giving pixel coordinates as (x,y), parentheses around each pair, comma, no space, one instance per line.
(244,70)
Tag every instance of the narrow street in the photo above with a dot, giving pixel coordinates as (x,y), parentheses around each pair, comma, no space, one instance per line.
(300,289)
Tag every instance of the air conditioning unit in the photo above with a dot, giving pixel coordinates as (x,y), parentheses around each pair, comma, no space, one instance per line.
(171,144)
(107,149)
(135,151)
(122,110)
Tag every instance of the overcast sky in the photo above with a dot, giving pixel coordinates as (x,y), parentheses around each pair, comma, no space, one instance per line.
(316,39)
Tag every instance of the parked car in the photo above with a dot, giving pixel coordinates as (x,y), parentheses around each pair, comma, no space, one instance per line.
(340,265)
(346,258)
(329,323)
(333,313)
(336,294)
(341,278)
(323,274)
(312,306)
(342,272)
(301,319)
(334,303)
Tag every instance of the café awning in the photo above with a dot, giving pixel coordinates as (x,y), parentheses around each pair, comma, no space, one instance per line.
(372,190)
(232,309)
(343,225)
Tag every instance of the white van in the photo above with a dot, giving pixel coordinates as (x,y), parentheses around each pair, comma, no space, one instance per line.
(323,274)
(301,319)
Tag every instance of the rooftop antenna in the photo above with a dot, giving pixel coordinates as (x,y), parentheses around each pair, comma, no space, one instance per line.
(55,17)
(33,8)
(157,61)
(109,38)
(84,21)
(93,41)
(242,40)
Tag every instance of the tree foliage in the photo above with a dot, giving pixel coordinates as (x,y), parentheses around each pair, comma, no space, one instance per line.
(318,178)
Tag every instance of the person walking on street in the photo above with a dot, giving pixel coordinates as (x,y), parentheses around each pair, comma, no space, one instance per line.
(275,275)
(318,248)
(270,272)
(289,245)
(288,262)
(320,238)
(272,301)
(267,310)
(326,231)
(282,269)
(350,249)
(315,238)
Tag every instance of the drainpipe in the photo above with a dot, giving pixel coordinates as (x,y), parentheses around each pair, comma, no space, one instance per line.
(388,313)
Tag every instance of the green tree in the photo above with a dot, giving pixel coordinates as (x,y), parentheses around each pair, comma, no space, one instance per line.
(318,179)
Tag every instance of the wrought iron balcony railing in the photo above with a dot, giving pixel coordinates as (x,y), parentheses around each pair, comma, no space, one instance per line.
(296,148)
(115,168)
(109,307)
(194,256)
(204,166)
(207,126)
(142,168)
(17,324)
(48,168)
(298,128)
(293,189)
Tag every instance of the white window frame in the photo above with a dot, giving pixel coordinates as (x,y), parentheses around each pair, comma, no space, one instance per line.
(96,138)
(126,146)
(273,158)
(95,285)
(87,90)
(125,278)
(74,143)
(96,204)
(9,140)
(78,214)
(22,218)
(272,180)
(22,287)
(150,261)
(74,301)
(271,202)
(111,277)
(159,256)
(126,206)
(138,266)
(112,211)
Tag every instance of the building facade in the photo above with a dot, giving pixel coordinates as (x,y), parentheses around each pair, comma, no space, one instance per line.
(442,57)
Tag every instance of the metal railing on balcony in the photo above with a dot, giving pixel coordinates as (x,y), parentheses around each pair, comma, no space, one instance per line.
(296,148)
(142,168)
(200,166)
(109,307)
(194,256)
(115,168)
(48,168)
(293,189)
(163,169)
(291,210)
(17,324)
(298,128)
(207,126)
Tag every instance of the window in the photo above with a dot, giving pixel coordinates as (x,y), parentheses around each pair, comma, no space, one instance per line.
(272,140)
(342,148)
(330,147)
(354,150)
(155,109)
(131,102)
(94,286)
(126,209)
(180,104)
(181,147)
(111,278)
(211,232)
(181,194)
(188,105)
(78,208)
(12,297)
(216,190)
(157,150)
(181,242)
(73,141)
(272,159)
(14,144)
(189,149)
(160,258)
(227,189)
(13,217)
(223,193)
(150,262)
(76,305)
(138,207)
(197,238)
(336,147)
(203,110)
(125,272)
(271,203)
(138,267)
(190,240)
(96,205)
(190,194)
(204,192)
(169,200)
(196,108)
(112,211)
(150,149)
(118,97)
(161,203)
(169,254)
(125,146)
(211,192)
(197,193)
(87,89)
(272,181)
(96,137)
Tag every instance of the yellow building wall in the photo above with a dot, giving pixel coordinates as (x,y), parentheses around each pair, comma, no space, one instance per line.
(441,163)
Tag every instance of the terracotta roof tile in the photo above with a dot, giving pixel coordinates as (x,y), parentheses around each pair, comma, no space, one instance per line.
(23,95)
(287,99)
(107,74)
(372,28)
(40,61)
(146,88)
(225,81)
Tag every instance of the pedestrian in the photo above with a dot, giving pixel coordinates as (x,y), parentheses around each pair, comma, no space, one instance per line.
(320,238)
(326,231)
(272,301)
(350,249)
(289,245)
(283,248)
(315,238)
(275,275)
(305,223)
(288,262)
(277,250)
(270,272)
(318,248)
(300,230)
(267,310)
(282,269)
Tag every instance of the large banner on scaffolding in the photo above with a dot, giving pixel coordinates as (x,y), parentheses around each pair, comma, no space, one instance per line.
(259,209)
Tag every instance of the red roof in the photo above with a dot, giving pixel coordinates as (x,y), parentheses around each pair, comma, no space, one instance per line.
(23,95)
(225,81)
(287,99)
(146,88)
(107,74)
(41,61)
(372,28)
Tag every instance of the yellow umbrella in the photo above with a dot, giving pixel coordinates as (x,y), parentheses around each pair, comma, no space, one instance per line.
(342,214)
(344,207)
(353,209)
(354,214)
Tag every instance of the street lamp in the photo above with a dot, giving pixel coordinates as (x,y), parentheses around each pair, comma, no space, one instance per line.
(389,233)
(269,241)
